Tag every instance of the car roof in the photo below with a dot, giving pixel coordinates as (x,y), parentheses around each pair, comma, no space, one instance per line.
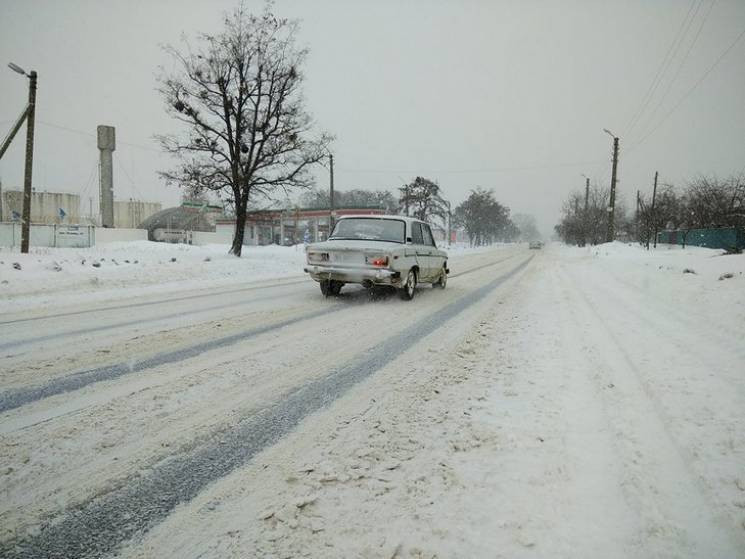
(405,218)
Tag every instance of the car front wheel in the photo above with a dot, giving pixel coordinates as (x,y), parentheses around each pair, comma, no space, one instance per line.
(409,287)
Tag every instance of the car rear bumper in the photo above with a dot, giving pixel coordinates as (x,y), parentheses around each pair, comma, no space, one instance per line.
(377,276)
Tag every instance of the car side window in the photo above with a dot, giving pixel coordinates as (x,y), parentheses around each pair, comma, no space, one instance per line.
(428,238)
(416,234)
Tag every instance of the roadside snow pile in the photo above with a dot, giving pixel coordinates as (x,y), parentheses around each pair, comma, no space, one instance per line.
(707,283)
(48,274)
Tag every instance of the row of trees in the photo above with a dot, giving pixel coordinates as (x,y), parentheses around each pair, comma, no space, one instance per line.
(704,202)
(481,216)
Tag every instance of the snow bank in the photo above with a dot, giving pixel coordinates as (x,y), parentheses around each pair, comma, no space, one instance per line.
(706,283)
(123,269)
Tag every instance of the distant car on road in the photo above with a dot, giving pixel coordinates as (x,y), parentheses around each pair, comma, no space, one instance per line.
(535,245)
(378,250)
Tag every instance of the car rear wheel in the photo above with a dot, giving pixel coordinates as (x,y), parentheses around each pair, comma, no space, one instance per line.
(409,288)
(443,281)
(330,288)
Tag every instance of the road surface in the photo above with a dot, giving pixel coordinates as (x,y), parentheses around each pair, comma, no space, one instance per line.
(517,410)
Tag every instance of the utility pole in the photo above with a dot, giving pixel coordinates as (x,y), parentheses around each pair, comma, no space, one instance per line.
(654,215)
(586,218)
(331,193)
(612,207)
(450,214)
(636,216)
(30,117)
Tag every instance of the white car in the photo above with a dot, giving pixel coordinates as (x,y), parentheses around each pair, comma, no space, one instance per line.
(378,250)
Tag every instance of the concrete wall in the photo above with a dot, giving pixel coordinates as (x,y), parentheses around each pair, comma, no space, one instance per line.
(62,236)
(45,206)
(204,238)
(131,213)
(104,235)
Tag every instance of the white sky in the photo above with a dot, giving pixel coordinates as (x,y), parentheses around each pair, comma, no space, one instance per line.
(505,95)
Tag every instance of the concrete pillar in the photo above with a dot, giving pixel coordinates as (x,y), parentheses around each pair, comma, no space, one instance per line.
(106,146)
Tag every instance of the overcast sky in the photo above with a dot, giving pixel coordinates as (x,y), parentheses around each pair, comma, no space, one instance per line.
(511,96)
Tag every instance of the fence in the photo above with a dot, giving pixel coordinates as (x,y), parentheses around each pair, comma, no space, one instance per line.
(61,236)
(729,238)
(105,235)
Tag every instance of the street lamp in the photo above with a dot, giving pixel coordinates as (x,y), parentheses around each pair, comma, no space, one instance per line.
(331,193)
(30,113)
(611,208)
(16,68)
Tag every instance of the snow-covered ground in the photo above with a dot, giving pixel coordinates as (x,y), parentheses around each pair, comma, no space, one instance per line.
(594,409)
(588,402)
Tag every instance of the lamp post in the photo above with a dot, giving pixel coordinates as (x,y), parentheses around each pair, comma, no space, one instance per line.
(612,206)
(30,113)
(331,193)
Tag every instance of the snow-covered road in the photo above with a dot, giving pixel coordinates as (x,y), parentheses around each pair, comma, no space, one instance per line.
(564,405)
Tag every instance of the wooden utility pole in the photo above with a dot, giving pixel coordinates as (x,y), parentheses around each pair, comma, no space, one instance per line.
(30,117)
(612,207)
(636,216)
(331,193)
(654,215)
(586,217)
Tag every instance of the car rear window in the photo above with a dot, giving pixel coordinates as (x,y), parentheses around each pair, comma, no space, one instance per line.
(370,229)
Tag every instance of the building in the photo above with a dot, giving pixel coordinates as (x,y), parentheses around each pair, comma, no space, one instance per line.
(45,207)
(288,226)
(130,213)
(175,225)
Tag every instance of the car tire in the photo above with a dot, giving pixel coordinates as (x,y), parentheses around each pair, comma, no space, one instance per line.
(409,288)
(443,281)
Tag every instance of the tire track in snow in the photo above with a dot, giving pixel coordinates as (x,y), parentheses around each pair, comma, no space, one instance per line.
(12,399)
(124,324)
(670,495)
(16,398)
(156,302)
(100,526)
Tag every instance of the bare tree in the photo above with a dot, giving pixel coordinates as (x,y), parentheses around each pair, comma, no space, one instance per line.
(422,198)
(238,93)
(714,202)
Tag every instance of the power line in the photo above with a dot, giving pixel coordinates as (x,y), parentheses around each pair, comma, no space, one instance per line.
(92,135)
(692,89)
(472,171)
(134,186)
(680,66)
(662,70)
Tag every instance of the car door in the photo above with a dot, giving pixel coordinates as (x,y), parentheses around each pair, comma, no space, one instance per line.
(423,250)
(434,260)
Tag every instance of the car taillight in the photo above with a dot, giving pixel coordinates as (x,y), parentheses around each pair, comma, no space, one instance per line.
(377,260)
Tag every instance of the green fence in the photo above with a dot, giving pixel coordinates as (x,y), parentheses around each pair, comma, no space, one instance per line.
(729,238)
